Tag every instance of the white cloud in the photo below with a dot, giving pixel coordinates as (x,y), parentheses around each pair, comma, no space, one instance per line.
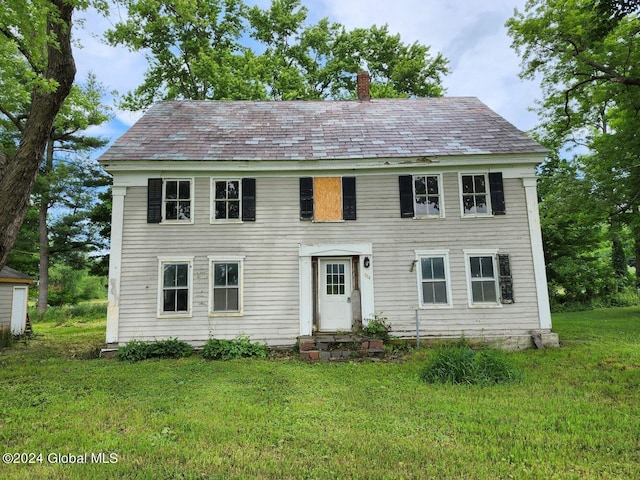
(471,35)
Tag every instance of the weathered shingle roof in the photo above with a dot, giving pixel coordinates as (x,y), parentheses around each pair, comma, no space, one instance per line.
(10,273)
(312,130)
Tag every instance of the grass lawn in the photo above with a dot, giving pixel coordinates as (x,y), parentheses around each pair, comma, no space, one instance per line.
(576,414)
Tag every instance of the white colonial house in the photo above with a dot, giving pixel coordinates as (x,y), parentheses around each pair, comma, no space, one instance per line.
(281,219)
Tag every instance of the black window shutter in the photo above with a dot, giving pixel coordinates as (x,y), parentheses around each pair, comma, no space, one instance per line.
(306,198)
(506,280)
(348,198)
(249,199)
(154,200)
(406,196)
(497,193)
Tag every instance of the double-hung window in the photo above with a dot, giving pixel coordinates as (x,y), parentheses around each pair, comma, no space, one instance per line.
(433,278)
(427,196)
(226,200)
(421,196)
(177,200)
(233,200)
(482,194)
(482,278)
(226,285)
(174,292)
(475,195)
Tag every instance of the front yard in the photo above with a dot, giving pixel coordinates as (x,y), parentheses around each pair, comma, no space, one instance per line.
(576,414)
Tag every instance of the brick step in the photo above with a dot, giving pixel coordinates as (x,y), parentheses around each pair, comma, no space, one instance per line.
(328,347)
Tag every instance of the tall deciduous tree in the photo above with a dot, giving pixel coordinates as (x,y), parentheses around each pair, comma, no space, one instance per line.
(35,50)
(200,50)
(587,55)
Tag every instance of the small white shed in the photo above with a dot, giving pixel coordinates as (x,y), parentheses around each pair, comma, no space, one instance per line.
(14,292)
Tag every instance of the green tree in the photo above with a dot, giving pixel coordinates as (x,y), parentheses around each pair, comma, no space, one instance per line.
(193,49)
(38,70)
(197,50)
(66,183)
(587,56)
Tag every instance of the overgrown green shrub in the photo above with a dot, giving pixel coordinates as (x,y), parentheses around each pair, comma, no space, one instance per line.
(460,364)
(377,328)
(171,348)
(241,346)
(136,350)
(6,337)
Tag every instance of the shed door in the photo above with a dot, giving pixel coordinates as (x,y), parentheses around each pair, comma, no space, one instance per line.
(335,294)
(19,310)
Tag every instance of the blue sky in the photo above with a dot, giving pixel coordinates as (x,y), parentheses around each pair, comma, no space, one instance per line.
(471,34)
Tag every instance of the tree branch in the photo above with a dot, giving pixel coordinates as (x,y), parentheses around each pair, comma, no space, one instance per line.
(21,48)
(16,120)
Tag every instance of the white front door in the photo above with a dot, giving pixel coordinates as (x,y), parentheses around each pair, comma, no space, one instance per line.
(334,295)
(19,310)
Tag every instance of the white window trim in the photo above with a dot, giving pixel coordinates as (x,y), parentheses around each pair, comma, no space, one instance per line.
(489,213)
(493,253)
(174,259)
(227,259)
(212,200)
(440,195)
(447,271)
(191,199)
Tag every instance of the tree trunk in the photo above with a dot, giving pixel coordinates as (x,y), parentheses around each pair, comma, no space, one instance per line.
(43,229)
(43,281)
(19,172)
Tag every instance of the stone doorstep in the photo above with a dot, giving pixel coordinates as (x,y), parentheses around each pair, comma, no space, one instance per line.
(337,347)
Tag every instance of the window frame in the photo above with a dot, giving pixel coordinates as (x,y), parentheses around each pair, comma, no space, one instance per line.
(213,260)
(444,254)
(191,181)
(493,254)
(174,260)
(438,176)
(212,201)
(487,194)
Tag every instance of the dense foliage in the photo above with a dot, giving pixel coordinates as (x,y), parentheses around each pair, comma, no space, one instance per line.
(587,56)
(220,349)
(201,50)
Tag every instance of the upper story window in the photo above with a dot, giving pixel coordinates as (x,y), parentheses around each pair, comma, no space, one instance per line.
(482,194)
(328,199)
(421,196)
(427,198)
(233,200)
(170,200)
(177,200)
(475,198)
(226,199)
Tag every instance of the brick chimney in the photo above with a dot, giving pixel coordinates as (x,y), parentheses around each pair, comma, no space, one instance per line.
(364,79)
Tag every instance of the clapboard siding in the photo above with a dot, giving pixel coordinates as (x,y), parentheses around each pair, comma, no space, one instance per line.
(6,304)
(271,262)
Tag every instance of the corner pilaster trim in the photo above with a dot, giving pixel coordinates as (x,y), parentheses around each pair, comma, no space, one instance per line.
(118,194)
(539,269)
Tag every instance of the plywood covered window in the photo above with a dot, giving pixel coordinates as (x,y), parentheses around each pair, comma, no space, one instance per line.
(328,199)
